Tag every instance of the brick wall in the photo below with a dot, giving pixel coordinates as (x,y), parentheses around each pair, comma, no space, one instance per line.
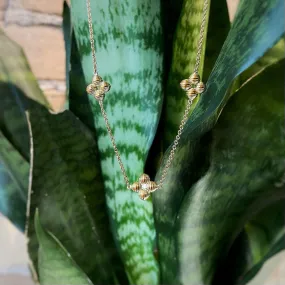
(36,26)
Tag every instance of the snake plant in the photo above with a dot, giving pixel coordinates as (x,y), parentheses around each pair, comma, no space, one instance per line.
(218,218)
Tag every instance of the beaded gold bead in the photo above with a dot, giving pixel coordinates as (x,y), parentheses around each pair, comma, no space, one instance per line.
(185,84)
(194,78)
(105,86)
(97,79)
(135,187)
(91,88)
(143,194)
(192,93)
(200,87)
(144,178)
(152,186)
(99,94)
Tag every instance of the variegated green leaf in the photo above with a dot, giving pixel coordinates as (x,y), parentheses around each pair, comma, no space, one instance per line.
(128,40)
(56,265)
(244,166)
(14,176)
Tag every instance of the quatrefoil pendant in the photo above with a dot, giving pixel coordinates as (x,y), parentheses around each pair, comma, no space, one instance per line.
(193,86)
(144,187)
(98,88)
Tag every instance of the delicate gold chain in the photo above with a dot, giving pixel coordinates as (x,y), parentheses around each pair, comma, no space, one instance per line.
(187,109)
(201,36)
(175,144)
(114,143)
(91,36)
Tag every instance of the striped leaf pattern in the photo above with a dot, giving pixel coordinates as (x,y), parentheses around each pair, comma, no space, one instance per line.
(128,41)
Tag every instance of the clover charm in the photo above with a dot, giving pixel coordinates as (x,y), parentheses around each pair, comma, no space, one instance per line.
(144,187)
(193,86)
(98,87)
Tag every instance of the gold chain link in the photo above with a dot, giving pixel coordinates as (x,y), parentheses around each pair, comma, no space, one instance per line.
(104,114)
(175,144)
(91,36)
(201,36)
(187,109)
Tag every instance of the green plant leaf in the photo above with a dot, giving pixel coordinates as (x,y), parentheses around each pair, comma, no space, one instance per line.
(218,28)
(245,164)
(13,122)
(128,40)
(254,244)
(265,235)
(265,229)
(14,175)
(275,54)
(171,10)
(272,56)
(56,265)
(17,70)
(192,155)
(276,248)
(68,191)
(77,89)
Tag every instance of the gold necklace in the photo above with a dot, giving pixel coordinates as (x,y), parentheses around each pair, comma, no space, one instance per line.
(193,86)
